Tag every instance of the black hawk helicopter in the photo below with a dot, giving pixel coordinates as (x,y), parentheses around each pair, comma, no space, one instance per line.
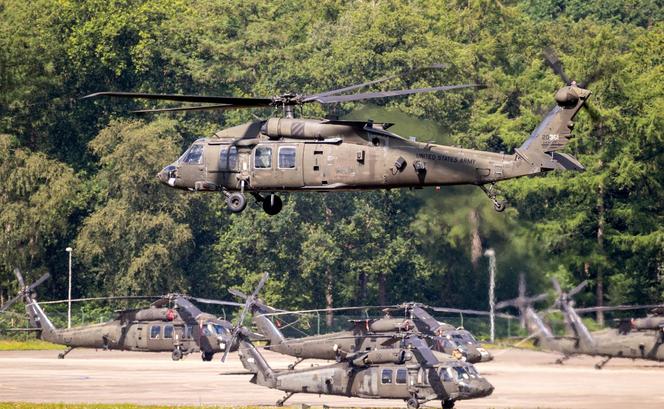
(289,154)
(409,370)
(369,334)
(171,324)
(635,339)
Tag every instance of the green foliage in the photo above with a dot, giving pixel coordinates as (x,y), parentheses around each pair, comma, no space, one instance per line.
(82,172)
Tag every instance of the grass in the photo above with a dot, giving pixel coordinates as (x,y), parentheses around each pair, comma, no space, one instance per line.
(29,345)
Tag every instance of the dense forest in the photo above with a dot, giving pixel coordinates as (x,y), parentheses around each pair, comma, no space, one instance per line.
(80,173)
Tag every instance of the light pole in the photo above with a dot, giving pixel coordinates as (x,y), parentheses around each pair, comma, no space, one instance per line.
(68,250)
(492,287)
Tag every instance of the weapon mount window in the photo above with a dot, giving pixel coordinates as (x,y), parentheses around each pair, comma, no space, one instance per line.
(386,376)
(287,157)
(155,332)
(228,158)
(194,155)
(263,157)
(402,375)
(168,332)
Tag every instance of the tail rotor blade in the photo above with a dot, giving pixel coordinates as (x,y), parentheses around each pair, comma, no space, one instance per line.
(19,277)
(38,282)
(11,302)
(556,285)
(577,289)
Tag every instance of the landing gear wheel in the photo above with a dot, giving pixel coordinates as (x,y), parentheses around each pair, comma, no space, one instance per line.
(61,355)
(272,204)
(236,202)
(448,404)
(207,356)
(280,403)
(499,206)
(176,355)
(412,403)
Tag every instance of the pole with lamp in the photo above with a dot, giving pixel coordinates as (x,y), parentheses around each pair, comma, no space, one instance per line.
(492,288)
(68,250)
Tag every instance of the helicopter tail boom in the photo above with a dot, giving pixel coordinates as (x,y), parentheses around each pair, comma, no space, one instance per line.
(555,132)
(253,361)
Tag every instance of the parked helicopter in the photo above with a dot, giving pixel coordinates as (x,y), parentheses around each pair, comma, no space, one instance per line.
(369,334)
(172,323)
(411,372)
(293,154)
(642,342)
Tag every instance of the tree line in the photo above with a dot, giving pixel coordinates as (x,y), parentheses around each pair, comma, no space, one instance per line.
(80,173)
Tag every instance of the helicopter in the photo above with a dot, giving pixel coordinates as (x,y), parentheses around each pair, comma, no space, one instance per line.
(171,324)
(640,339)
(288,154)
(411,371)
(369,334)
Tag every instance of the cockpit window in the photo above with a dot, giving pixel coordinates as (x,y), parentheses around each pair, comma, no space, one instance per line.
(472,371)
(228,158)
(461,373)
(218,329)
(194,155)
(263,157)
(287,157)
(444,375)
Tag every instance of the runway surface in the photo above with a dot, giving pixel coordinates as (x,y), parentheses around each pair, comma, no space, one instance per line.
(523,379)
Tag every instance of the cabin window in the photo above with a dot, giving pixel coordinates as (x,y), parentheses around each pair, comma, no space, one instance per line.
(188,331)
(287,157)
(386,376)
(194,155)
(263,157)
(228,158)
(168,332)
(402,376)
(155,332)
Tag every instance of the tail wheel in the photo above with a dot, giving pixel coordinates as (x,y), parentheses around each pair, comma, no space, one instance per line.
(236,202)
(272,204)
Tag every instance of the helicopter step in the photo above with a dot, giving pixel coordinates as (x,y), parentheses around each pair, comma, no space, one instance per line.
(283,400)
(492,193)
(64,353)
(600,365)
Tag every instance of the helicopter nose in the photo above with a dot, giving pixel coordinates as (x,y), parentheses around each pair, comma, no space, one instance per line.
(167,175)
(476,388)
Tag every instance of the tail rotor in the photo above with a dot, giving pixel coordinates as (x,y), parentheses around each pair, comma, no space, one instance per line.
(24,291)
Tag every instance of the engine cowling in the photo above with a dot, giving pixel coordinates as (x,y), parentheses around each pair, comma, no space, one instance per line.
(383,356)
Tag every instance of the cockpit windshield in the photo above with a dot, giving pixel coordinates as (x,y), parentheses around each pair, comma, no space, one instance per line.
(461,373)
(193,155)
(463,338)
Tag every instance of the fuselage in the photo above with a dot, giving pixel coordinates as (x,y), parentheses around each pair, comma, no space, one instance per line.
(285,154)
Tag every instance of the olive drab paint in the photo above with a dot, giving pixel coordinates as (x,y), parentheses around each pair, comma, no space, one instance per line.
(291,154)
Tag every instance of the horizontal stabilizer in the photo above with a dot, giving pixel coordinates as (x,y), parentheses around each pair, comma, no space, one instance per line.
(568,162)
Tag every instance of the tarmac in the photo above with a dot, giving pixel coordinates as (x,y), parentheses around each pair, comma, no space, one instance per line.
(522,378)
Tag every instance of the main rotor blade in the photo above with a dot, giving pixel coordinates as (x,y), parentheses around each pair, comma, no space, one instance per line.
(248,102)
(314,97)
(362,307)
(507,303)
(238,293)
(120,297)
(618,308)
(538,297)
(217,302)
(384,94)
(470,312)
(197,108)
(556,65)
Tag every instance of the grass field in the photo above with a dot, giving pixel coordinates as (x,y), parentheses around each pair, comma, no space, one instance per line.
(29,345)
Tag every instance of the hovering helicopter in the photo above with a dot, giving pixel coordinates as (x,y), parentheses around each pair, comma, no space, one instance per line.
(411,372)
(643,341)
(290,154)
(369,334)
(172,323)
